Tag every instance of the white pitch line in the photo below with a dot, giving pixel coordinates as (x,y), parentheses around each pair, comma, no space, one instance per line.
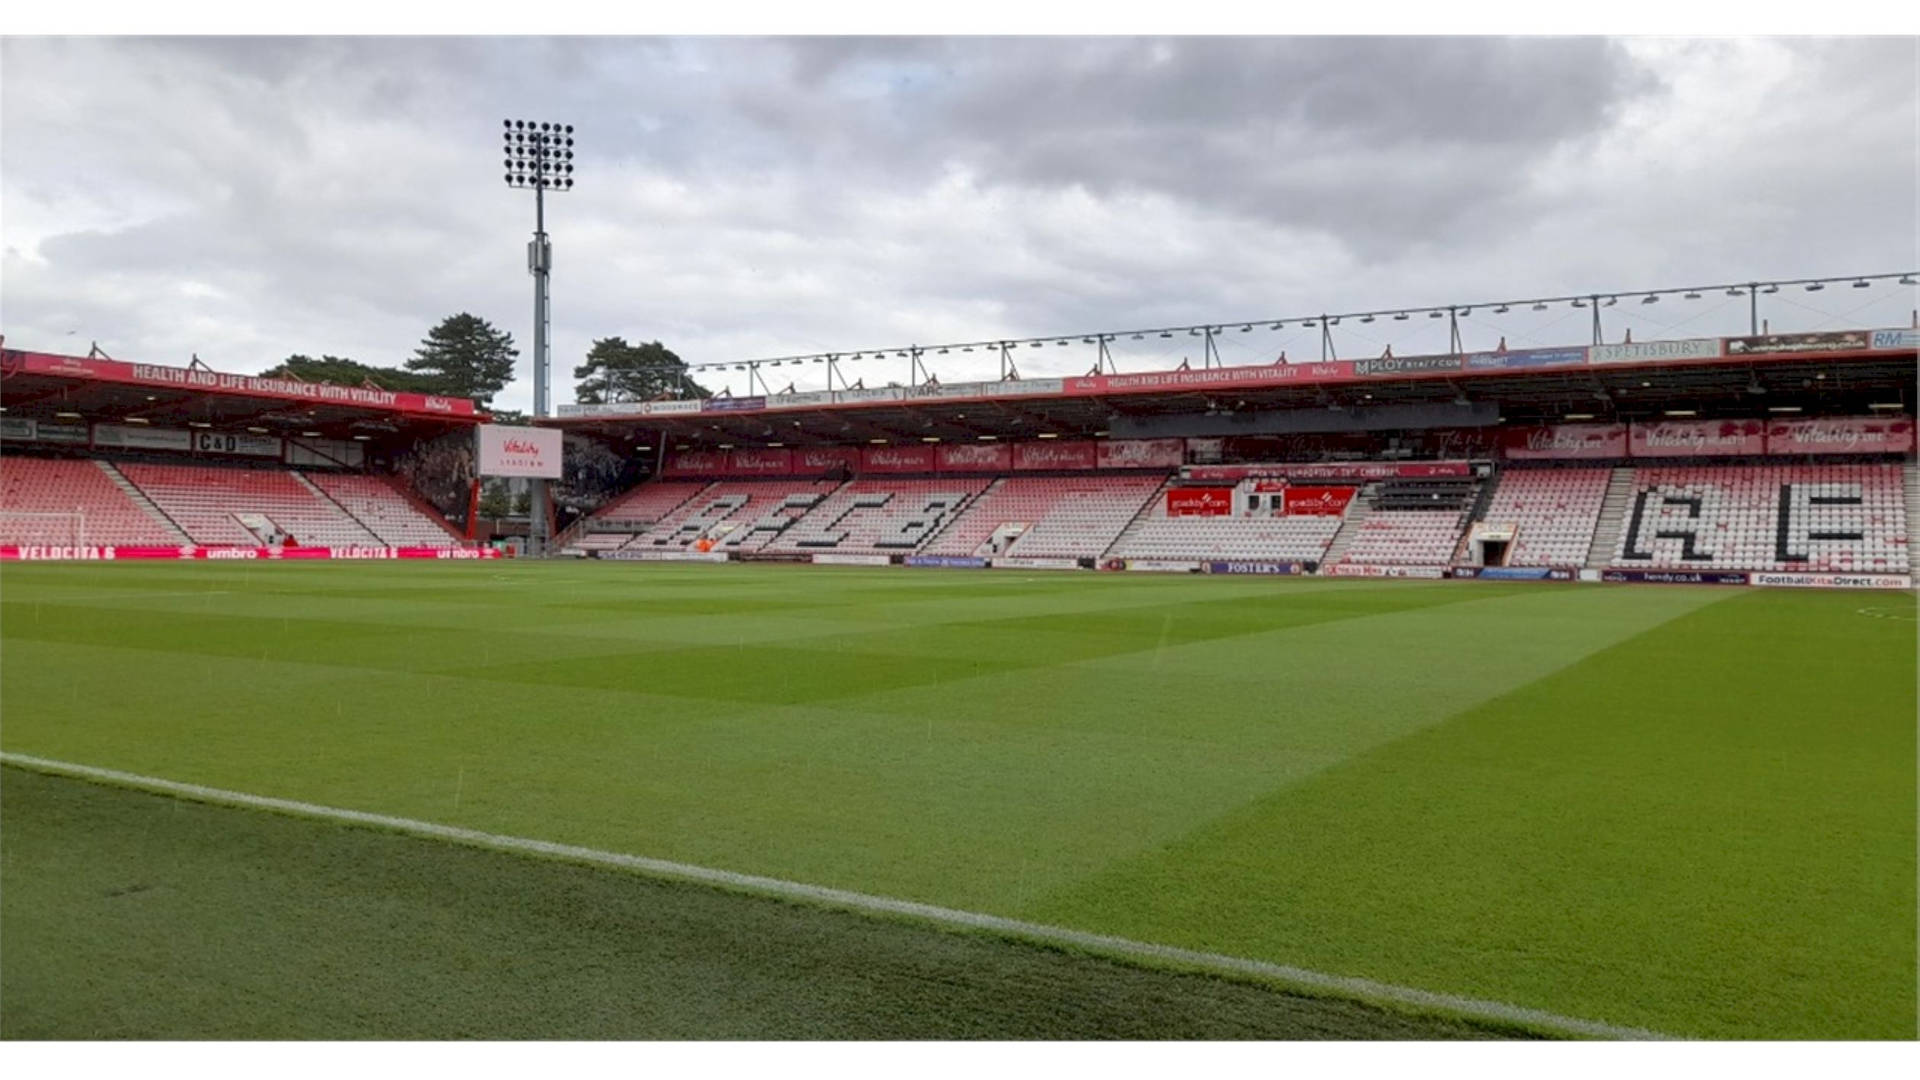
(1298,978)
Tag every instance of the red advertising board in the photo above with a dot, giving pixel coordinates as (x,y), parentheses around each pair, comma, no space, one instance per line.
(1354,470)
(1054,455)
(1199,501)
(1317,500)
(974,457)
(1696,438)
(896,459)
(1842,435)
(760,461)
(1224,378)
(110,552)
(1559,441)
(695,463)
(1141,454)
(819,459)
(119,371)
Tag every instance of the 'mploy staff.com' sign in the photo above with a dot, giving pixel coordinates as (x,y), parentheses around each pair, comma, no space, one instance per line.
(519,451)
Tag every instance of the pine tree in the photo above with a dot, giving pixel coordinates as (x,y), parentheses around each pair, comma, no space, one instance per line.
(467,357)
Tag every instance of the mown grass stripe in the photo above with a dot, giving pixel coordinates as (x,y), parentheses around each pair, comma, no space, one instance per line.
(1290,977)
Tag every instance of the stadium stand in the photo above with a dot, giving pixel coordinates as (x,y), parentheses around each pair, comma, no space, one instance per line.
(1553,512)
(723,508)
(1831,518)
(1408,522)
(382,508)
(63,501)
(208,503)
(878,517)
(1156,535)
(1058,516)
(615,525)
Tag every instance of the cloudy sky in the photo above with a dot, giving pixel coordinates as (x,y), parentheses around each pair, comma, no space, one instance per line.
(244,199)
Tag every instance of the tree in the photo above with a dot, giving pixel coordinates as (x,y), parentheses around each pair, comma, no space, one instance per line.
(340,371)
(467,357)
(496,501)
(617,371)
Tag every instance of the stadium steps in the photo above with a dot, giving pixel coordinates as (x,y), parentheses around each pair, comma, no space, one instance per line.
(1477,513)
(140,499)
(1358,511)
(1141,516)
(318,493)
(954,519)
(1613,513)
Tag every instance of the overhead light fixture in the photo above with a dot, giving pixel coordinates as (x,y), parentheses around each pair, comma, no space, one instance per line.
(1366,318)
(1691,296)
(1579,303)
(929,438)
(1886,406)
(1579,416)
(1905,279)
(68,415)
(642,449)
(1099,434)
(362,438)
(198,424)
(1048,435)
(138,420)
(1650,298)
(1815,286)
(258,430)
(309,434)
(1436,314)
(1735,292)
(1540,307)
(1247,329)
(986,438)
(1681,412)
(679,446)
(1402,317)
(1862,283)
(1166,333)
(776,444)
(1501,310)
(1783,408)
(878,442)
(1644,384)
(726,446)
(1771,289)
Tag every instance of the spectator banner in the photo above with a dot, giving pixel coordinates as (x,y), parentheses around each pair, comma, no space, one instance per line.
(1021,562)
(733,404)
(948,562)
(1674,577)
(1561,441)
(1698,438)
(1140,454)
(695,463)
(1356,570)
(1054,455)
(1387,366)
(1530,358)
(800,399)
(1655,352)
(226,442)
(1832,581)
(828,558)
(1842,435)
(819,459)
(1835,341)
(518,451)
(79,367)
(1896,339)
(1326,501)
(1161,566)
(662,556)
(1357,470)
(1199,501)
(897,459)
(760,461)
(1505,573)
(974,457)
(1254,567)
(133,437)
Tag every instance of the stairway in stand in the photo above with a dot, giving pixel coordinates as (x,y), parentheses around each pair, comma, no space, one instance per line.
(1613,512)
(1357,513)
(140,499)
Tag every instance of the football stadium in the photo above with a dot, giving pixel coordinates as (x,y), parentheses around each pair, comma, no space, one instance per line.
(1527,669)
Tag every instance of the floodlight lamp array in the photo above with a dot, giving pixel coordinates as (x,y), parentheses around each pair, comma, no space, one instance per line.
(537,154)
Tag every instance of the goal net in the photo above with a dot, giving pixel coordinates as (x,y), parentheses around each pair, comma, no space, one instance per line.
(42,527)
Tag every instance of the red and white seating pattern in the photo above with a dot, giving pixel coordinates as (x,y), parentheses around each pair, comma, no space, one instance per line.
(1297,538)
(727,502)
(204,500)
(635,510)
(1405,538)
(72,502)
(879,517)
(1066,516)
(377,504)
(1839,518)
(1554,513)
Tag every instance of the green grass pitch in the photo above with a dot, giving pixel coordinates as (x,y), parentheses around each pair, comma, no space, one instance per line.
(1690,810)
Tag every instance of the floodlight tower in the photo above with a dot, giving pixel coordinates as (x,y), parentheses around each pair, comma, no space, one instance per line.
(539,155)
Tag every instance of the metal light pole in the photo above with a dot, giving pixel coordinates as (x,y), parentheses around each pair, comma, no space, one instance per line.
(539,155)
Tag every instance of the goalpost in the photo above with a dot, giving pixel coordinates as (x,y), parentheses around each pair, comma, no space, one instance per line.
(50,528)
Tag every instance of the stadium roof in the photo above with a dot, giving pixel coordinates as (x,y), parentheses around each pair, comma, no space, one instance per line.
(46,385)
(1834,372)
